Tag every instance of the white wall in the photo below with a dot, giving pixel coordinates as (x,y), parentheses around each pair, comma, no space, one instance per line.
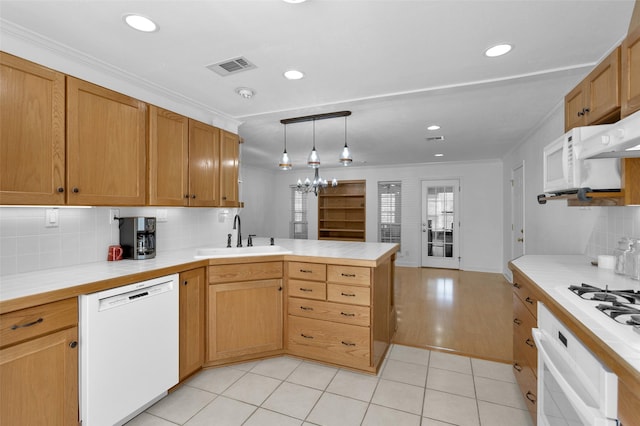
(480,206)
(555,228)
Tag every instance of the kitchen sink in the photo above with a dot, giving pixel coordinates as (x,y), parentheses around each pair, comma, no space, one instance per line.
(215,252)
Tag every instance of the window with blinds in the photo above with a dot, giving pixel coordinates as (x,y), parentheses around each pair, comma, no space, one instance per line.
(298,224)
(389,212)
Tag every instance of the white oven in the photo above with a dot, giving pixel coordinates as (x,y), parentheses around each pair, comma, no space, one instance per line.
(574,387)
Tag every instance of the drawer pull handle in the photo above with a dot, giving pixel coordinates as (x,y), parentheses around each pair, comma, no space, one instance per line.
(531,397)
(529,300)
(306,271)
(345,314)
(516,285)
(305,289)
(306,336)
(529,342)
(517,366)
(29,324)
(306,308)
(348,294)
(348,275)
(516,321)
(348,343)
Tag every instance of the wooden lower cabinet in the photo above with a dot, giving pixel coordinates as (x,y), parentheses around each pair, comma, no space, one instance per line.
(192,321)
(343,316)
(525,354)
(244,314)
(628,405)
(39,375)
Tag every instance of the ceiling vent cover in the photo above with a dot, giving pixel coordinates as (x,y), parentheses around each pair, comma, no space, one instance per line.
(435,138)
(231,66)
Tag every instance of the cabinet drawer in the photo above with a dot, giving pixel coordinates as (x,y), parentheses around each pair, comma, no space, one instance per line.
(336,312)
(523,342)
(244,272)
(32,322)
(342,344)
(528,384)
(308,289)
(349,274)
(307,271)
(524,291)
(348,294)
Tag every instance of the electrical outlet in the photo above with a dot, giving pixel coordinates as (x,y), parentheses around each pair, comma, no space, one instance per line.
(113,214)
(162,215)
(51,218)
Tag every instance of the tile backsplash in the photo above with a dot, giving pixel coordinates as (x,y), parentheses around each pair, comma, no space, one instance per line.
(83,234)
(612,224)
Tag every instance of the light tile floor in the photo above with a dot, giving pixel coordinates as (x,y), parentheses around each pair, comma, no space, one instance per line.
(414,387)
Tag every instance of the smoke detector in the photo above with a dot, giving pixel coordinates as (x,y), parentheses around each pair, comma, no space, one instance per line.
(245,92)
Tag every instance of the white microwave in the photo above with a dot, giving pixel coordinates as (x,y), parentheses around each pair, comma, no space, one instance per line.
(564,173)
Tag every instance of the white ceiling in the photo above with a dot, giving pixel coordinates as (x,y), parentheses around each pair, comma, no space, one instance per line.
(399,66)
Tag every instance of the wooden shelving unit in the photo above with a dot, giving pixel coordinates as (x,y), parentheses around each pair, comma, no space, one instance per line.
(342,211)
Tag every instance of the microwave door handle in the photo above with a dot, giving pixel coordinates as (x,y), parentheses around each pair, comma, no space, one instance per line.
(565,160)
(589,415)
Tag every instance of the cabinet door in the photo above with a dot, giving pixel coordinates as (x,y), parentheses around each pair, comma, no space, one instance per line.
(574,105)
(32,139)
(604,90)
(192,306)
(631,73)
(244,318)
(229,151)
(168,157)
(204,148)
(106,146)
(39,381)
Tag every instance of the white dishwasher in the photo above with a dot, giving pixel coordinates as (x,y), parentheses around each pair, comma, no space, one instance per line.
(128,349)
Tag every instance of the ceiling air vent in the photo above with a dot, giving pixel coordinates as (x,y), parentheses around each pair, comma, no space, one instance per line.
(435,138)
(231,66)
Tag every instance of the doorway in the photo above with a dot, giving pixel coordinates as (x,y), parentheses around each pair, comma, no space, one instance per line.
(517,211)
(440,224)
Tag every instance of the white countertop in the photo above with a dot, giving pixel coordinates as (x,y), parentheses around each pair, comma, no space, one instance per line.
(32,283)
(554,274)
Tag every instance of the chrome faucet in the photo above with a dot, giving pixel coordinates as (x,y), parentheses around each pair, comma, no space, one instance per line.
(237,219)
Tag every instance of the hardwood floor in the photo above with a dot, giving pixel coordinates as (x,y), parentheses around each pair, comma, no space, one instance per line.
(461,312)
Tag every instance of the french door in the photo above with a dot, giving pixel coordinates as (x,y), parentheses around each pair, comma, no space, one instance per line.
(440,224)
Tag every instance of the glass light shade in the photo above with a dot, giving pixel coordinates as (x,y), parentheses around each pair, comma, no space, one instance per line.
(345,157)
(285,163)
(314,159)
(334,182)
(307,182)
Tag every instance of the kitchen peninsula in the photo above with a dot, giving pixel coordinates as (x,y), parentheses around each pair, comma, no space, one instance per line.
(323,300)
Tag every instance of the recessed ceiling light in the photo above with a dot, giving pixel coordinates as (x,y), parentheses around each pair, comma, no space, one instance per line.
(245,92)
(498,50)
(294,1)
(140,23)
(293,75)
(433,127)
(438,155)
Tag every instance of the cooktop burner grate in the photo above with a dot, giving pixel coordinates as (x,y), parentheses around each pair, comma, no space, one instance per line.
(589,292)
(621,313)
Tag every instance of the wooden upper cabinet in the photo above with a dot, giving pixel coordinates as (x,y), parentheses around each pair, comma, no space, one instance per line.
(631,73)
(106,146)
(596,100)
(229,152)
(204,167)
(168,157)
(32,133)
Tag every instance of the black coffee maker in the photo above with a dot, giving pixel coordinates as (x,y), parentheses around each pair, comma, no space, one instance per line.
(138,237)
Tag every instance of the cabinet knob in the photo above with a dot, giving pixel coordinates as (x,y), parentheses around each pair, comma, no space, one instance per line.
(193,196)
(224,198)
(186,195)
(185,282)
(60,189)
(75,190)
(73,344)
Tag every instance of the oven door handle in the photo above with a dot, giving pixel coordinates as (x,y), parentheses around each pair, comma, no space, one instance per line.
(589,414)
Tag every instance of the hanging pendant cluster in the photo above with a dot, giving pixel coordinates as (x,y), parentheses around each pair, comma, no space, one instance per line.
(313,161)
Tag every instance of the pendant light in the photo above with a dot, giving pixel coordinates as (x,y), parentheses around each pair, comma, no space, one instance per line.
(314,159)
(285,163)
(345,157)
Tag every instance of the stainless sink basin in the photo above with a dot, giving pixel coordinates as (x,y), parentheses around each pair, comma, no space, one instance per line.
(215,252)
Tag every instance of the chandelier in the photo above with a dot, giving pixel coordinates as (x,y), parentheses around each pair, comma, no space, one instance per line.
(313,161)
